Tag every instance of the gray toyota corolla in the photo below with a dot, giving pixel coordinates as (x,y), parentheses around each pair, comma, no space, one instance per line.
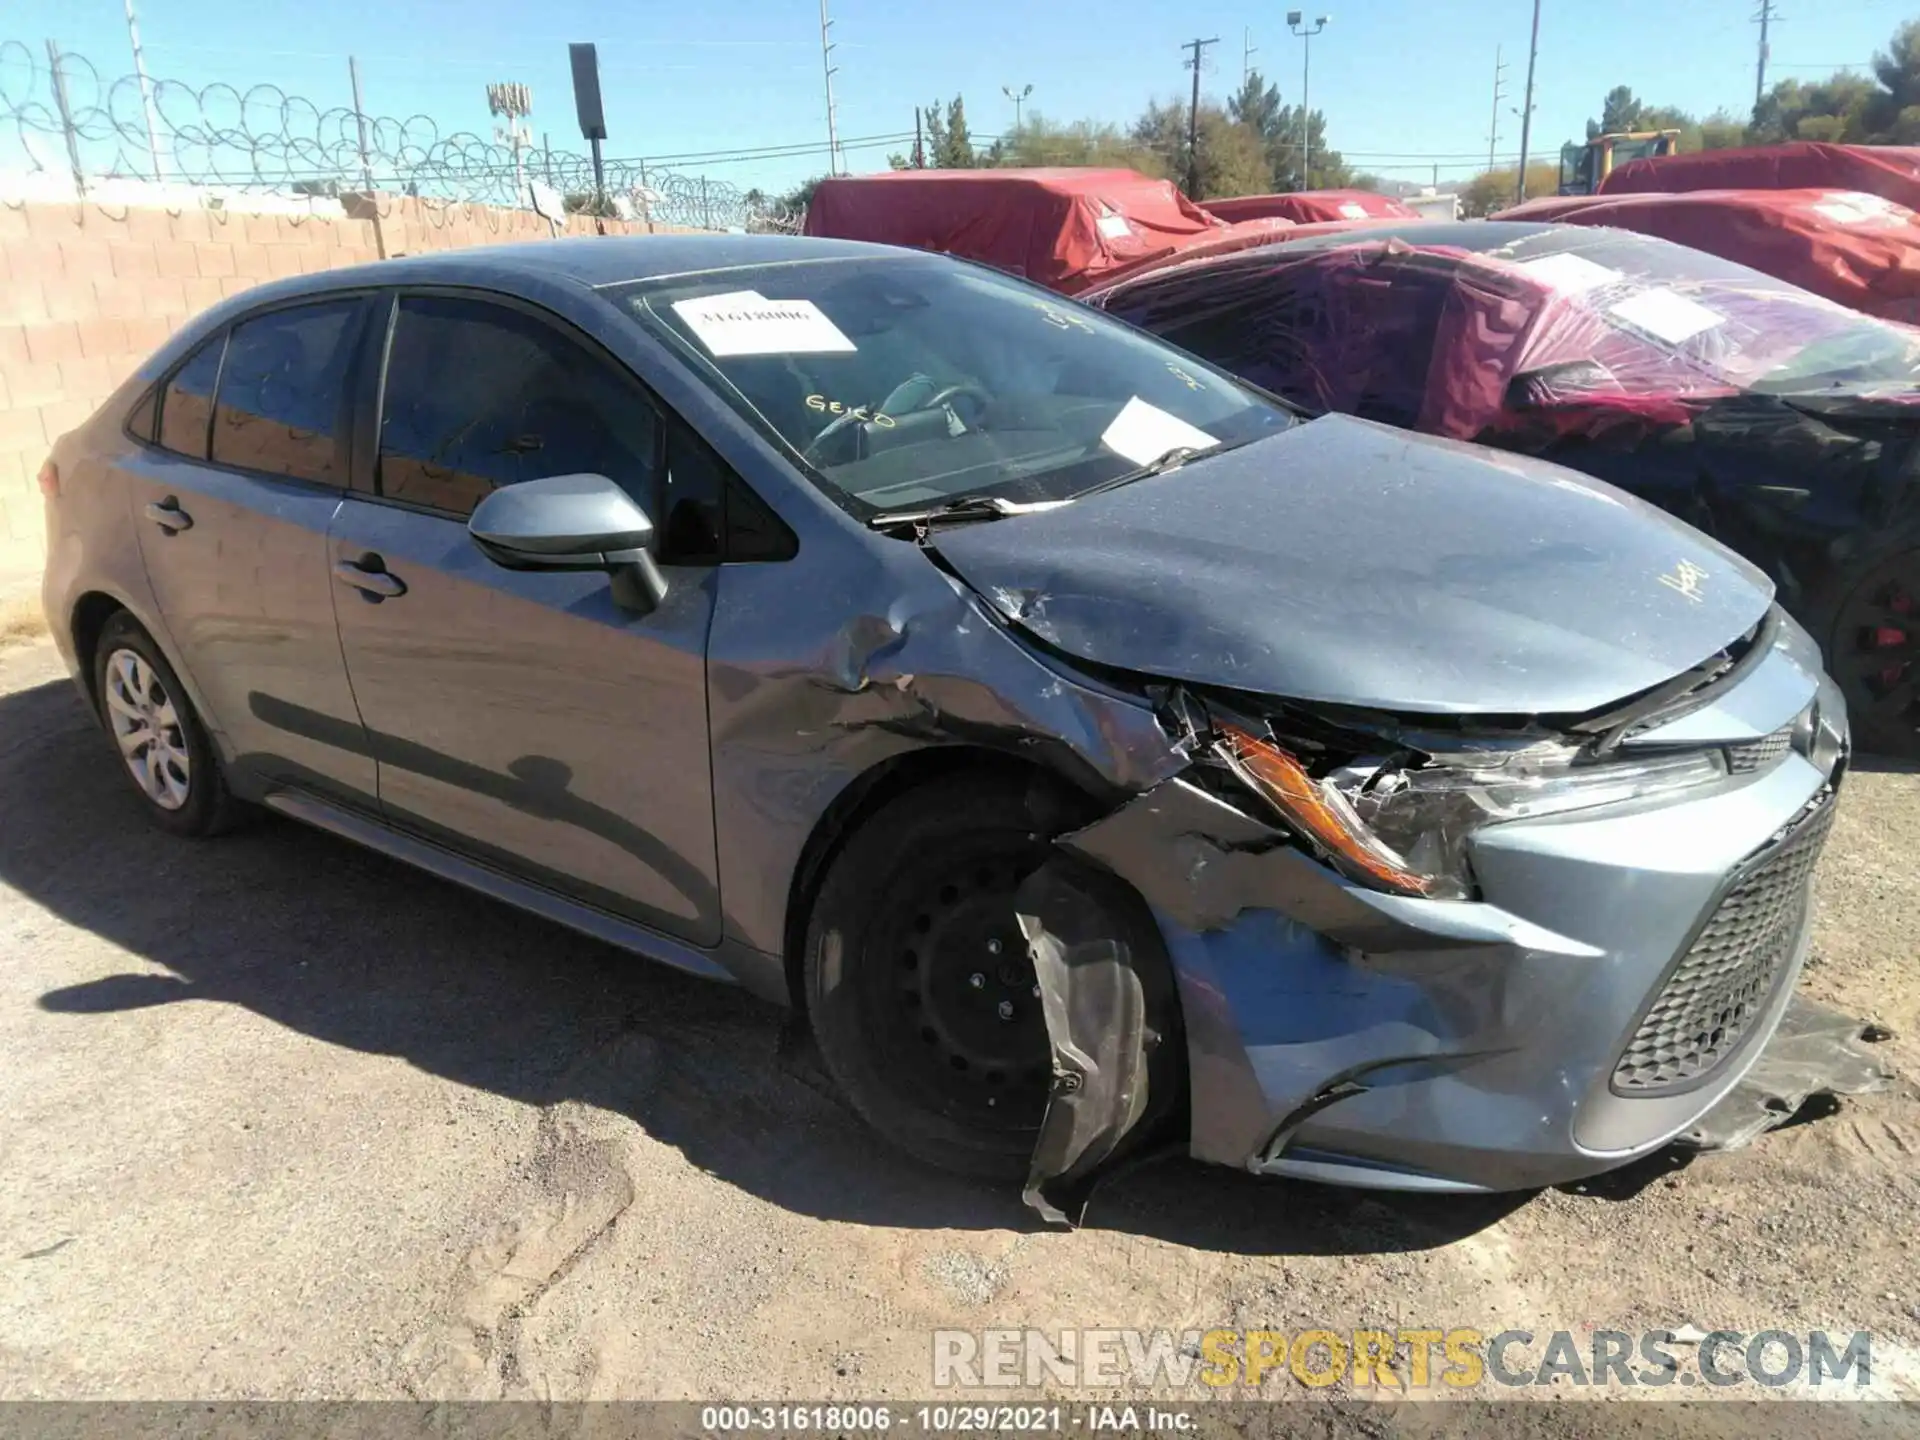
(1093,751)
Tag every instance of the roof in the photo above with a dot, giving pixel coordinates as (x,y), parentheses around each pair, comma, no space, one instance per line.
(587,259)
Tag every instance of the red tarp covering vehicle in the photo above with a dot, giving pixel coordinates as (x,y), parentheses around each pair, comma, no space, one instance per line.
(1307,207)
(1066,229)
(1889,171)
(1771,418)
(1859,250)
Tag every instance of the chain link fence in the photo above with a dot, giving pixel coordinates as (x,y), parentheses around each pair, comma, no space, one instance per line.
(64,124)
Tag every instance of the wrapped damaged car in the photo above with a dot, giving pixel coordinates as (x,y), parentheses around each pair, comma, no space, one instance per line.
(1783,424)
(1093,752)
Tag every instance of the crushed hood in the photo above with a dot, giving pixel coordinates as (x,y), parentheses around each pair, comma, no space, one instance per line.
(1352,563)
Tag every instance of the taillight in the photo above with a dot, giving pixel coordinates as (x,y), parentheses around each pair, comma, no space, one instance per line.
(50,480)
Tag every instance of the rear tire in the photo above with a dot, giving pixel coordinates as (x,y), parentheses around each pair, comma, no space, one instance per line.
(919,987)
(163,748)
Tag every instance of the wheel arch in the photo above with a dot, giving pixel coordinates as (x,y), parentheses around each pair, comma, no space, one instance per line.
(86,624)
(895,776)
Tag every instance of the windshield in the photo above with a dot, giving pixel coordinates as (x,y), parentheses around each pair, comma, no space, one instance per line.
(1660,317)
(917,381)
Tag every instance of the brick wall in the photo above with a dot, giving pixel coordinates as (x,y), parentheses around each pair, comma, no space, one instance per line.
(88,292)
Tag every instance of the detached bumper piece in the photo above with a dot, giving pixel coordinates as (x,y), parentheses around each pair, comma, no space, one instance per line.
(1099,962)
(1816,1051)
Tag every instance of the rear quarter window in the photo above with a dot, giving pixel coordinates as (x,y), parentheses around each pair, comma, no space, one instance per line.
(186,406)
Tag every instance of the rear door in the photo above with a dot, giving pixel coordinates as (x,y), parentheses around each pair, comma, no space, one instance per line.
(232,501)
(524,718)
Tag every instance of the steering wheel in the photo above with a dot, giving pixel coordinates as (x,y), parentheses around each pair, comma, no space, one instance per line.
(964,387)
(939,398)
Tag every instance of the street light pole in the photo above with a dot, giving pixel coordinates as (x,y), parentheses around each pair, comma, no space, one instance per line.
(1294,19)
(1019,98)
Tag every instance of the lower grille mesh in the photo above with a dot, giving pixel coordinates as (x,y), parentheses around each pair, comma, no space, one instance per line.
(1761,754)
(1730,971)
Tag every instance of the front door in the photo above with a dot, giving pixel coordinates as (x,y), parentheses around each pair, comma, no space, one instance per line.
(232,503)
(524,718)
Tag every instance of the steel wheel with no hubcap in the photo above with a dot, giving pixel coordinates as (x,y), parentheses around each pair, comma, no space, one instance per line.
(146,727)
(959,1004)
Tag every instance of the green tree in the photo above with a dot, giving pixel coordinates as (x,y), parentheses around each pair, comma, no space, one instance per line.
(1329,170)
(1099,144)
(1619,112)
(1893,115)
(1492,191)
(1231,158)
(1258,107)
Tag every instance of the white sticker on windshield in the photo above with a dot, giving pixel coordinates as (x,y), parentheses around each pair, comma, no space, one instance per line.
(745,322)
(1114,227)
(1568,273)
(1143,433)
(1666,316)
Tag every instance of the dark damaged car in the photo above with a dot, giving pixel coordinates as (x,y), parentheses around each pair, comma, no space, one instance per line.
(1090,749)
(1775,420)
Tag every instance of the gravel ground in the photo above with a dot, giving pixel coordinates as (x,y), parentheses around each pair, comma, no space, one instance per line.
(283,1119)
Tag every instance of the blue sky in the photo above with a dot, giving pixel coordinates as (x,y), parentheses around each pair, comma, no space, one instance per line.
(1404,83)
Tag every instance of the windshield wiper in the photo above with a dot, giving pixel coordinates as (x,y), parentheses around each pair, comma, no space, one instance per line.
(965,510)
(1171,460)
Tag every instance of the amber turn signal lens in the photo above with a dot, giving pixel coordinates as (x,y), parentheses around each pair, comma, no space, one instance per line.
(1323,816)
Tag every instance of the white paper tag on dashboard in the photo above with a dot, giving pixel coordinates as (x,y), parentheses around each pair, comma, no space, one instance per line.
(1666,316)
(745,322)
(1569,274)
(1143,433)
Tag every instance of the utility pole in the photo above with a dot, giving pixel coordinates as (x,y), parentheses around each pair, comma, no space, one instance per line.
(1198,47)
(1499,84)
(828,69)
(1294,18)
(1765,17)
(1019,98)
(1526,109)
(146,91)
(1247,51)
(919,147)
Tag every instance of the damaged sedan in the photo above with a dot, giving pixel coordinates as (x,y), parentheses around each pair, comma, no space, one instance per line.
(1092,751)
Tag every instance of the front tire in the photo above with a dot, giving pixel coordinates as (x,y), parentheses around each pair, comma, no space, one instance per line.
(919,987)
(164,750)
(1873,652)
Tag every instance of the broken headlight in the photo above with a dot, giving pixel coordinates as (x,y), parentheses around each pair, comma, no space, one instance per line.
(1402,824)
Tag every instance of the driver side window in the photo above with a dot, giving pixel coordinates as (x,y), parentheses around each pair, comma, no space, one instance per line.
(481,396)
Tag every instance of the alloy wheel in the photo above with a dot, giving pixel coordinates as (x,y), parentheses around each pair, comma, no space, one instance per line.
(146,727)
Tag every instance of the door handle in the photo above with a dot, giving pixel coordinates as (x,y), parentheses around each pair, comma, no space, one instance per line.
(376,584)
(168,515)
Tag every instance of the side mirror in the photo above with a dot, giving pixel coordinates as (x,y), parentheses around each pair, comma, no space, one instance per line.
(573,522)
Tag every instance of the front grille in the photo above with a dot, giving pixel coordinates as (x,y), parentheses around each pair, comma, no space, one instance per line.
(1730,971)
(1761,754)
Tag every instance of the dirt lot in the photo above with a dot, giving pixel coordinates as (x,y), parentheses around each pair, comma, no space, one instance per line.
(283,1119)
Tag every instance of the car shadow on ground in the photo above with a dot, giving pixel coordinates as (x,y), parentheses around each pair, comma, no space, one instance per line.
(360,951)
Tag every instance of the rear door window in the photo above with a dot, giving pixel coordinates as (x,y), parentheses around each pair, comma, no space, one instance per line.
(186,410)
(280,407)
